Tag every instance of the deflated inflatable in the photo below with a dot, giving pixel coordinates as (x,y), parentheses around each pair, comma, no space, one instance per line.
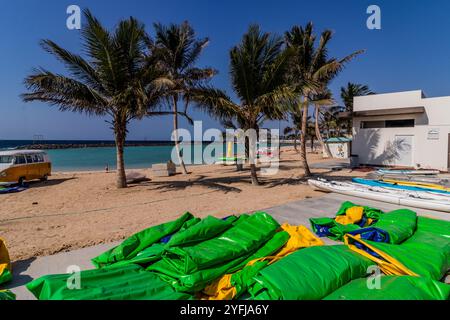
(425,253)
(252,256)
(130,282)
(5,263)
(350,217)
(393,288)
(232,285)
(7,295)
(309,274)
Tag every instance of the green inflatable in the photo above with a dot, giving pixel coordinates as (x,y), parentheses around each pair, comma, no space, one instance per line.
(393,288)
(129,248)
(309,274)
(426,253)
(7,295)
(189,268)
(130,282)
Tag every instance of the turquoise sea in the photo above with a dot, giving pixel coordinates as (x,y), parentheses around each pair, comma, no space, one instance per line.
(89,157)
(97,158)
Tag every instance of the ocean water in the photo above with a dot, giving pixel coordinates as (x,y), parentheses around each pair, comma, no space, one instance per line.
(97,158)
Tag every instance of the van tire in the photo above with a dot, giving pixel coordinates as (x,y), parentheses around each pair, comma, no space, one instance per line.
(44,178)
(21,182)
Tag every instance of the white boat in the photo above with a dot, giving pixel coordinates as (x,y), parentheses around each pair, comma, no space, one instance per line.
(414,199)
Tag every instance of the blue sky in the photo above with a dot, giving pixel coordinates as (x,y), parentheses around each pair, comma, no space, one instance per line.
(411,51)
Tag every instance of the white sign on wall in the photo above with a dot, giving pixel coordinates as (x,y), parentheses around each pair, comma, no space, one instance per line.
(433,134)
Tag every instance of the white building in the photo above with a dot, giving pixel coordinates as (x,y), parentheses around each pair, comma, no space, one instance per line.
(403,129)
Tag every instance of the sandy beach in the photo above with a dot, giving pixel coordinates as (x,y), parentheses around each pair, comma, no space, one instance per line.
(79,209)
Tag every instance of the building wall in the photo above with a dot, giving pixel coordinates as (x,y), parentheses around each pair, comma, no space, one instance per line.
(378,146)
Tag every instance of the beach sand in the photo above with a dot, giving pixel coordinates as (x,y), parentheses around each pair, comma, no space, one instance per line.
(74,210)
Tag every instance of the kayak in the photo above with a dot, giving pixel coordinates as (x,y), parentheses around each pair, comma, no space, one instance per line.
(424,200)
(417,184)
(409,172)
(375,183)
(410,178)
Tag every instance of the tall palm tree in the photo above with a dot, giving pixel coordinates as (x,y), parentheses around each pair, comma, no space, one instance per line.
(348,93)
(310,69)
(117,78)
(178,50)
(258,67)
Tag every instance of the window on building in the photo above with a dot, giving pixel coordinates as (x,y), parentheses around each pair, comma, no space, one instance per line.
(387,124)
(372,124)
(400,123)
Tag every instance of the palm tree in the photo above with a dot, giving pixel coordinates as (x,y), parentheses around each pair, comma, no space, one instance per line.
(294,131)
(178,50)
(348,93)
(310,69)
(258,68)
(322,98)
(116,79)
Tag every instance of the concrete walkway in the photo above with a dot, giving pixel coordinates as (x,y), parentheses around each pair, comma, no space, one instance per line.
(297,213)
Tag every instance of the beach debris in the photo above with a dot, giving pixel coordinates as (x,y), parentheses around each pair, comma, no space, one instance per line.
(164,169)
(135,177)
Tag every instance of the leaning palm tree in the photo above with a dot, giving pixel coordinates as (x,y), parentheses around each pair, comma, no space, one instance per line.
(178,50)
(348,93)
(115,79)
(258,68)
(322,98)
(310,69)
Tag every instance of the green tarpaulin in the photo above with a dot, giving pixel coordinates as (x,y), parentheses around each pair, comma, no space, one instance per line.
(190,268)
(425,253)
(309,274)
(393,288)
(130,282)
(7,295)
(129,248)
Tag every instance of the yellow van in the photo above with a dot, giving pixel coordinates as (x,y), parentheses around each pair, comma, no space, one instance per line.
(18,166)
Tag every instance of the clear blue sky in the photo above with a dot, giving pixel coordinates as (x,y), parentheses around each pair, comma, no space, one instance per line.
(412,51)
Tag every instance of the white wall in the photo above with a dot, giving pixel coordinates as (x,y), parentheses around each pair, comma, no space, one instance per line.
(376,146)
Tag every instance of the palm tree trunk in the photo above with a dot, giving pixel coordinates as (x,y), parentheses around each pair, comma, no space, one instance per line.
(121,181)
(254,175)
(318,134)
(303,139)
(175,127)
(249,154)
(295,140)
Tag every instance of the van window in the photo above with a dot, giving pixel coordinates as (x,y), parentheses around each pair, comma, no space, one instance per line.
(20,160)
(38,158)
(6,159)
(29,158)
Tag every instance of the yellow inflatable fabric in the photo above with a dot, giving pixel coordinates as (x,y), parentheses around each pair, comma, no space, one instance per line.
(352,216)
(5,263)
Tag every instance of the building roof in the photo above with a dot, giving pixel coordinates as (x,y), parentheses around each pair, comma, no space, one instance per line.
(390,111)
